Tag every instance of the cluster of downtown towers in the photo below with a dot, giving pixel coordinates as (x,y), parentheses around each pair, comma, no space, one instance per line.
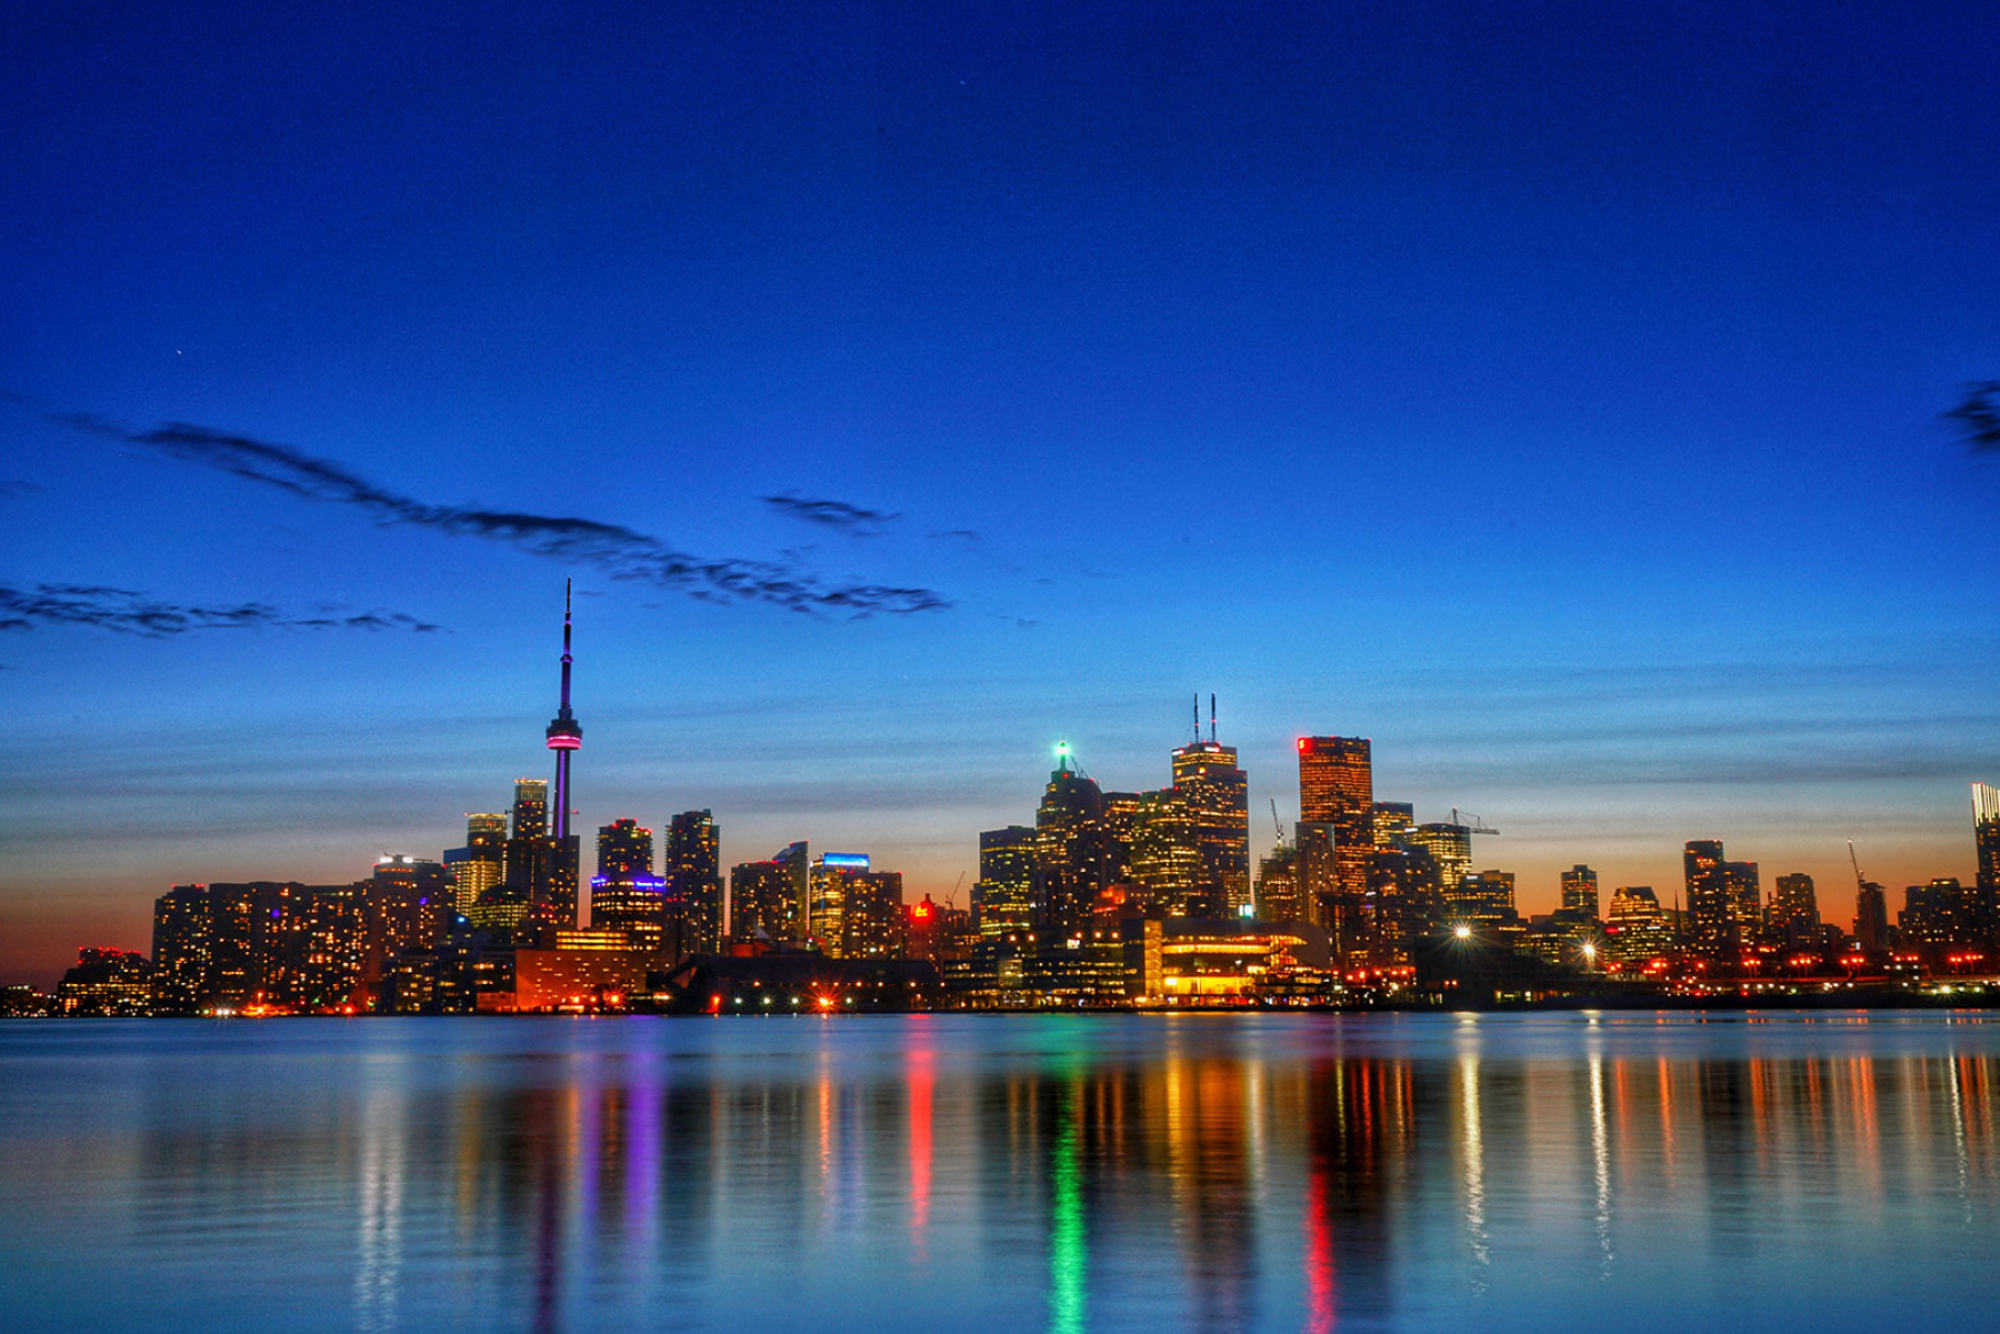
(1362,874)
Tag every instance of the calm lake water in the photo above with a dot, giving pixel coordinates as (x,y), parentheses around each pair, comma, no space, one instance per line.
(949,1172)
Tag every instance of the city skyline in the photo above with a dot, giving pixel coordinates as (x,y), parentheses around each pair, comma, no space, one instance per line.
(1562,400)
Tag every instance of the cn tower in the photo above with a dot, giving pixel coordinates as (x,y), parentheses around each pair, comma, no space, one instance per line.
(565,735)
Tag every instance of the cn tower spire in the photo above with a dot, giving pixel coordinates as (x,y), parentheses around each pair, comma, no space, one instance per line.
(565,734)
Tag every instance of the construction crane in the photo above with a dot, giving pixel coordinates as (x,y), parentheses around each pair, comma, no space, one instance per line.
(1473,824)
(1860,881)
(1276,823)
(951,899)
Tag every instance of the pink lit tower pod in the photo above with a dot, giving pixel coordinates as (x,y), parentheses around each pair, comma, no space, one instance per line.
(565,734)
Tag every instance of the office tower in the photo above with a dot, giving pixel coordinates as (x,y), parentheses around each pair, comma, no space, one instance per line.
(1216,796)
(1392,821)
(556,905)
(625,895)
(1406,893)
(1794,914)
(1579,890)
(1711,915)
(504,907)
(872,919)
(531,808)
(1073,849)
(1317,872)
(1934,918)
(1485,899)
(407,906)
(691,865)
(1636,930)
(1162,853)
(833,882)
(1871,919)
(761,900)
(1986,835)
(1004,900)
(1450,846)
(797,861)
(1278,886)
(480,864)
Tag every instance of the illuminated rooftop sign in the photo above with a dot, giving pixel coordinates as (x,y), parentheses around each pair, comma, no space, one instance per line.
(853,861)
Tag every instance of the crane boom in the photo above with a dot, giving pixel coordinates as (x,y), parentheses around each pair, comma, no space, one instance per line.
(1276,823)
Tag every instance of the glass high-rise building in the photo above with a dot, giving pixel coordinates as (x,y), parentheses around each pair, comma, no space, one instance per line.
(1986,835)
(1337,790)
(1579,890)
(1005,899)
(691,865)
(836,878)
(1794,915)
(625,894)
(1073,849)
(1215,793)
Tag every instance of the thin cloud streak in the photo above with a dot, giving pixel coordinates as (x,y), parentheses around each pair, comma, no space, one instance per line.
(125,611)
(850,519)
(618,551)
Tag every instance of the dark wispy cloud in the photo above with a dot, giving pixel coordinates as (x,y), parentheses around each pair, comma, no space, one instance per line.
(134,613)
(849,519)
(1977,416)
(618,551)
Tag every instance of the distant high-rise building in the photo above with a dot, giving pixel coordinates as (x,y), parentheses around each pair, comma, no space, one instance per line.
(873,921)
(1724,905)
(1392,821)
(1486,898)
(1636,931)
(531,808)
(1986,835)
(1794,916)
(1337,793)
(1216,796)
(1073,849)
(1163,854)
(1004,898)
(183,949)
(1278,885)
(625,894)
(761,900)
(835,877)
(528,862)
(691,865)
(1579,890)
(481,864)
(1450,846)
(1871,919)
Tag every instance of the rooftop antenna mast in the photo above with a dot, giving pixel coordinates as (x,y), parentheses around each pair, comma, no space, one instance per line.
(1211,719)
(1197,717)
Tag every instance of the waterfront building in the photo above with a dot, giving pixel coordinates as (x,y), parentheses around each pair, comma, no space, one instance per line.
(108,983)
(691,866)
(1450,846)
(1871,919)
(1162,854)
(761,900)
(183,949)
(1579,891)
(478,866)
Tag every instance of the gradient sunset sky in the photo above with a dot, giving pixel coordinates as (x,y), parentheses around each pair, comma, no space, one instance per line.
(1550,393)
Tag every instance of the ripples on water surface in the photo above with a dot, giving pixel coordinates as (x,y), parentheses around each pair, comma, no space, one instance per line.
(933,1172)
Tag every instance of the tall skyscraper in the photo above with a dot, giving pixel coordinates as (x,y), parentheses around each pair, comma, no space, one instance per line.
(1073,847)
(761,900)
(625,894)
(481,864)
(1986,835)
(1005,895)
(835,878)
(1337,789)
(531,808)
(1794,913)
(1450,846)
(503,908)
(558,904)
(1711,916)
(692,867)
(1579,890)
(1216,795)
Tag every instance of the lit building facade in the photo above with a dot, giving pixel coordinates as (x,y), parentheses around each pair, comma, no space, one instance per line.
(1337,790)
(625,895)
(691,866)
(1005,900)
(1579,891)
(1215,794)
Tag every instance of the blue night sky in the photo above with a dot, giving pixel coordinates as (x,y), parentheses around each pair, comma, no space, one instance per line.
(1550,393)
